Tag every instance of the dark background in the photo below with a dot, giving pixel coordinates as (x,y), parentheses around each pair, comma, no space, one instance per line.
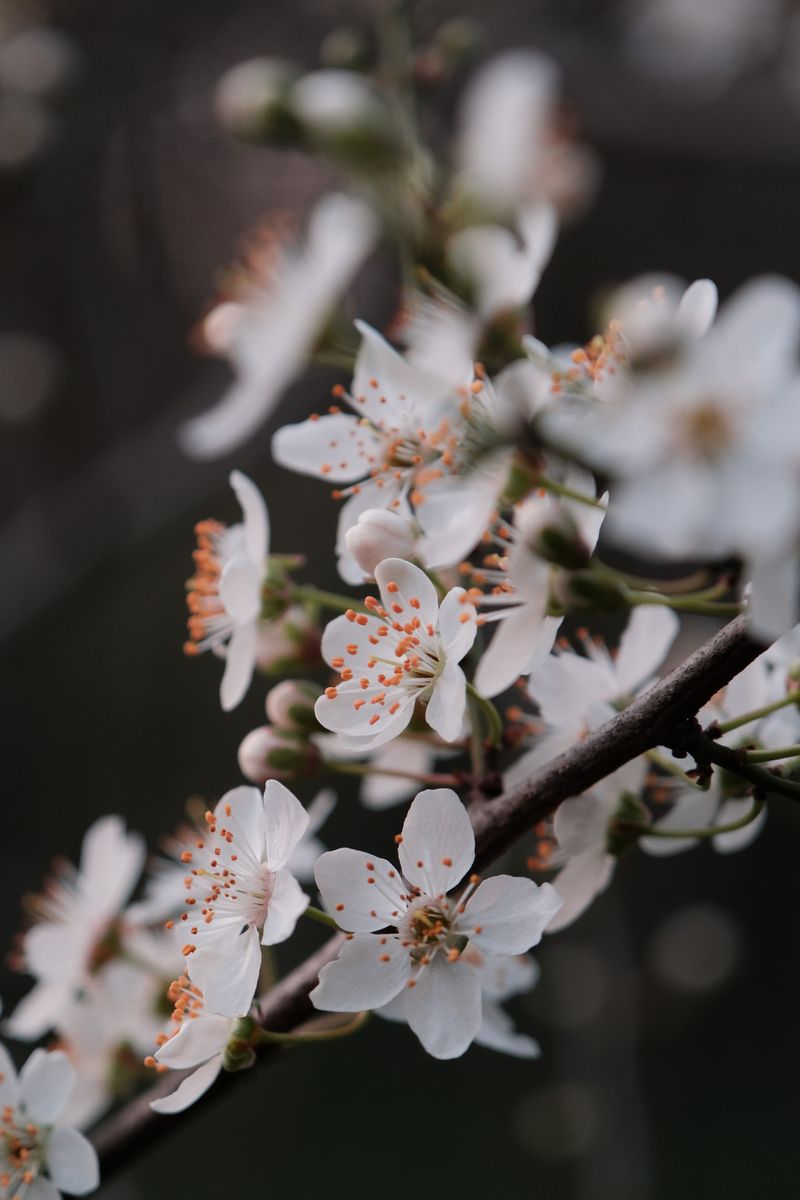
(667,1016)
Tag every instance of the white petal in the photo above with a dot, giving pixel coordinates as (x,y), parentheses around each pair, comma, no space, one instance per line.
(692,809)
(585,876)
(256,517)
(72,1162)
(382,791)
(772,607)
(508,654)
(189,1089)
(111,863)
(227,973)
(445,710)
(45,1083)
(737,839)
(42,1189)
(320,809)
(343,878)
(240,588)
(196,1041)
(438,845)
(286,822)
(287,904)
(240,662)
(444,1008)
(403,584)
(38,1011)
(369,971)
(336,448)
(503,975)
(644,645)
(403,387)
(698,307)
(497,1032)
(581,823)
(507,914)
(457,624)
(241,811)
(8,1080)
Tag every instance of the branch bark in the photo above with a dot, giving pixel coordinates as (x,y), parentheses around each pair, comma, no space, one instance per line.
(647,722)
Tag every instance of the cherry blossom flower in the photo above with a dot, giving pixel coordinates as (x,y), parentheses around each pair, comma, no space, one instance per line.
(421,954)
(525,633)
(39,1156)
(502,269)
(241,894)
(196,1041)
(411,445)
(272,334)
(501,977)
(77,915)
(405,651)
(225,594)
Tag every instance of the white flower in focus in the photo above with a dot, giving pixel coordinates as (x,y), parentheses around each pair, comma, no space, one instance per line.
(39,1157)
(196,1042)
(501,977)
(278,324)
(406,651)
(421,954)
(525,633)
(225,596)
(241,893)
(77,912)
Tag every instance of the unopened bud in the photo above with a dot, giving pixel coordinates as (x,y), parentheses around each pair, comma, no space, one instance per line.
(267,754)
(290,705)
(289,642)
(584,589)
(379,534)
(251,101)
(343,115)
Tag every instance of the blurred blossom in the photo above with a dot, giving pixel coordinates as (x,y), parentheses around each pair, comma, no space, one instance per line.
(557,1122)
(29,371)
(701,44)
(38,60)
(25,128)
(696,949)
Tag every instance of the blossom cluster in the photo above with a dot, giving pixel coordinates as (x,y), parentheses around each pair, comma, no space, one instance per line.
(477,471)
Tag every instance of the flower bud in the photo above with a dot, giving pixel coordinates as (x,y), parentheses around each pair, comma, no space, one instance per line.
(290,705)
(584,589)
(289,642)
(343,115)
(379,534)
(267,754)
(251,101)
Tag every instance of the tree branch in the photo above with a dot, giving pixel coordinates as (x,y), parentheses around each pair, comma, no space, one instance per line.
(649,721)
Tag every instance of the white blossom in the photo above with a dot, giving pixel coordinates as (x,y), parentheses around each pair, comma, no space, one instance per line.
(241,893)
(405,651)
(39,1156)
(196,1041)
(278,324)
(225,593)
(421,954)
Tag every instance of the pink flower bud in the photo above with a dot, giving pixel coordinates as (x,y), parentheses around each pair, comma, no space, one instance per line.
(379,534)
(290,705)
(266,754)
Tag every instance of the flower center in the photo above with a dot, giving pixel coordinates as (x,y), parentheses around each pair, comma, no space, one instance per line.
(706,429)
(21,1146)
(428,928)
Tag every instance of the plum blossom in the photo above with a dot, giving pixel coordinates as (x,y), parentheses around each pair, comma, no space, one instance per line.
(225,593)
(196,1041)
(410,446)
(421,954)
(241,894)
(272,333)
(405,651)
(501,977)
(39,1156)
(502,268)
(77,913)
(523,579)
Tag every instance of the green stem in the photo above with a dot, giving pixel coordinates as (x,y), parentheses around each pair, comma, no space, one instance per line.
(304,593)
(700,607)
(487,714)
(759,756)
(560,489)
(430,779)
(688,583)
(706,831)
(316,914)
(322,1035)
(756,714)
(666,764)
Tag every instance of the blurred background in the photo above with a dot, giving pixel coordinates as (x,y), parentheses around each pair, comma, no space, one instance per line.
(667,1019)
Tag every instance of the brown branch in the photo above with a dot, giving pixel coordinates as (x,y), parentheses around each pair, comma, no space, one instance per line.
(646,723)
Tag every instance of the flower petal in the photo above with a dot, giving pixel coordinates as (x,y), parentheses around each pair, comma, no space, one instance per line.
(241,811)
(72,1162)
(286,822)
(445,710)
(189,1089)
(228,974)
(38,1011)
(287,904)
(336,448)
(369,971)
(457,624)
(497,1032)
(360,906)
(240,661)
(444,1008)
(438,844)
(585,876)
(240,588)
(45,1084)
(8,1080)
(196,1041)
(255,516)
(644,645)
(507,914)
(404,585)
